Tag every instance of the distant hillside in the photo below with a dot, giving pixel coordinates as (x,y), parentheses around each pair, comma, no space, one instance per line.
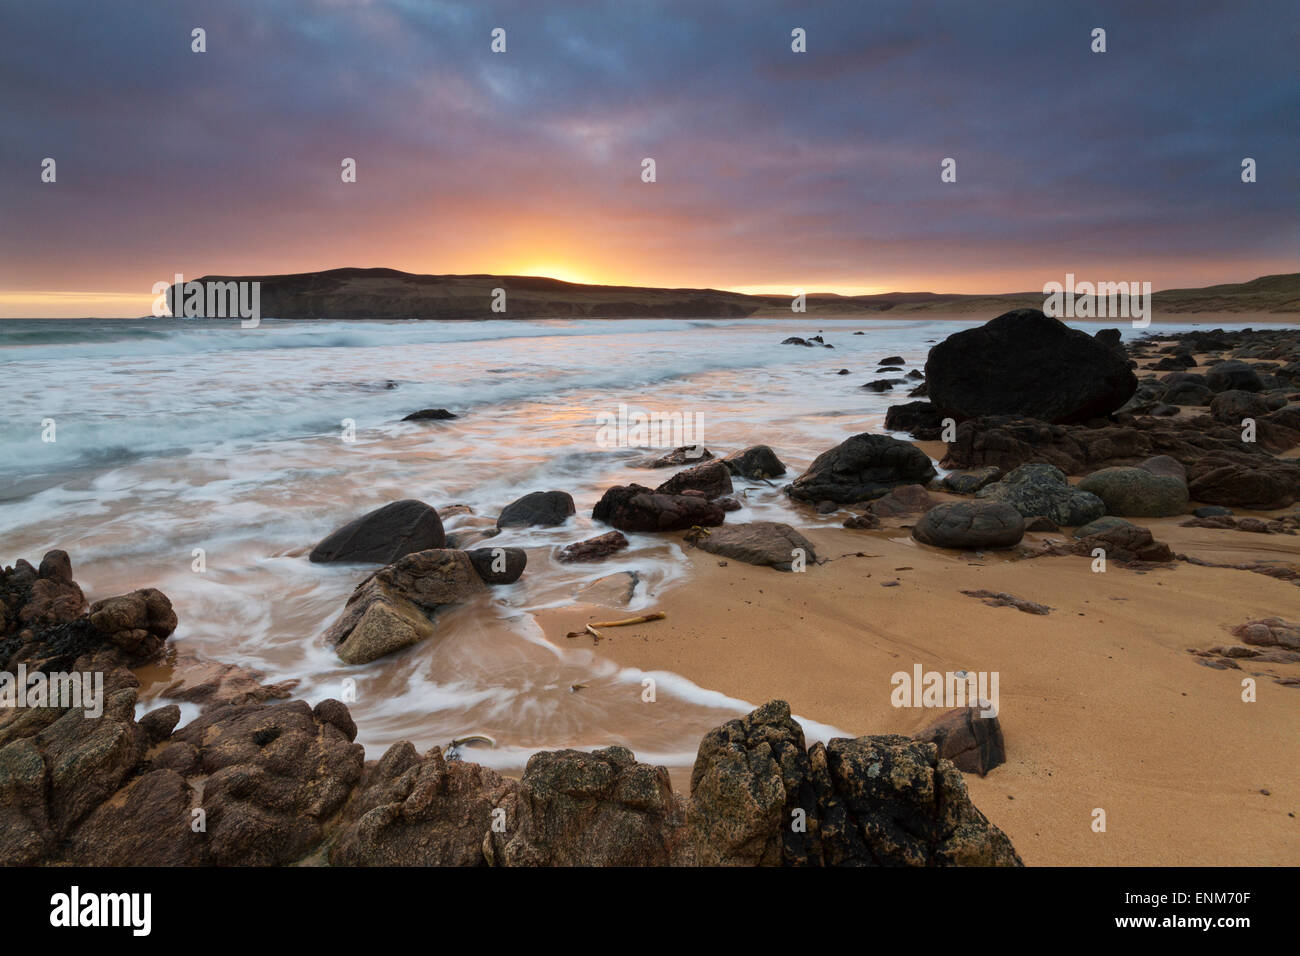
(390,294)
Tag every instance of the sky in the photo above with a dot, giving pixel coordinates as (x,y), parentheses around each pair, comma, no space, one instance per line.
(775,171)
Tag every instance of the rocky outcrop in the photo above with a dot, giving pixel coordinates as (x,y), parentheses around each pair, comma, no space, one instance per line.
(384,535)
(765,543)
(862,468)
(588,809)
(419,811)
(637,508)
(1026,363)
(922,420)
(538,509)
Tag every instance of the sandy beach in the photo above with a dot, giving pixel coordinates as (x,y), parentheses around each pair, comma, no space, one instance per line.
(1101,704)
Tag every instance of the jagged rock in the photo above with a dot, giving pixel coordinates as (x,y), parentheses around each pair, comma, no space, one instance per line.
(712,478)
(542,509)
(158,724)
(390,609)
(765,543)
(862,522)
(215,684)
(756,462)
(1025,363)
(1003,599)
(593,549)
(589,809)
(384,535)
(862,468)
(499,565)
(970,740)
(749,777)
(138,623)
(1043,490)
(146,823)
(1235,405)
(970,524)
(419,811)
(636,508)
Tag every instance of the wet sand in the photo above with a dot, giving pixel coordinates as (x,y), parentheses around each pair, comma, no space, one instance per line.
(1101,705)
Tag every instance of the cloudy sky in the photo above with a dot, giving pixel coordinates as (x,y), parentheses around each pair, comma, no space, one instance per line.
(775,170)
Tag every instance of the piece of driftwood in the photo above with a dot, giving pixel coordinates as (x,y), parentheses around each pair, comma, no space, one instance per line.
(653,616)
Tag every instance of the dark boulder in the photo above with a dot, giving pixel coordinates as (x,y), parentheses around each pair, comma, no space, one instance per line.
(970,740)
(430,415)
(713,479)
(862,468)
(636,508)
(756,462)
(1232,374)
(1026,363)
(384,535)
(970,524)
(593,549)
(541,509)
(499,565)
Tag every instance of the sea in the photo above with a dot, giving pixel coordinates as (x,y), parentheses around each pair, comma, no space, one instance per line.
(139,445)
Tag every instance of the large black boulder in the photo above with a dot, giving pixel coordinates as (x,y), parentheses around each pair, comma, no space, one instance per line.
(1028,364)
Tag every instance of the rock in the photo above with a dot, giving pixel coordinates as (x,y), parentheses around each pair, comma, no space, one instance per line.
(384,535)
(1025,363)
(1269,632)
(429,414)
(146,823)
(593,549)
(765,543)
(863,522)
(750,776)
(971,524)
(920,419)
(902,500)
(1212,511)
(158,724)
(213,684)
(756,462)
(1124,544)
(1233,405)
(1136,492)
(390,609)
(138,623)
(419,811)
(541,509)
(883,384)
(1041,523)
(1166,466)
(1231,375)
(589,809)
(713,478)
(862,468)
(969,482)
(796,340)
(683,455)
(275,774)
(1105,523)
(891,360)
(1110,338)
(499,565)
(1002,599)
(1043,490)
(636,508)
(1188,393)
(971,741)
(1219,479)
(893,801)
(613,590)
